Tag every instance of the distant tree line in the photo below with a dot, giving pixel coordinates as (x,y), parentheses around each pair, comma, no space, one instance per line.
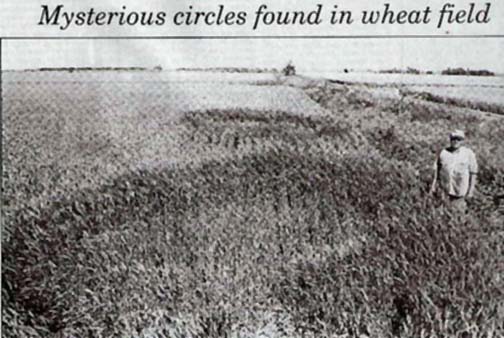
(230,70)
(408,70)
(470,72)
(84,69)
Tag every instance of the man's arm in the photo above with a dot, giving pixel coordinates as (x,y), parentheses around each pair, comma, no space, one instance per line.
(473,172)
(472,184)
(435,178)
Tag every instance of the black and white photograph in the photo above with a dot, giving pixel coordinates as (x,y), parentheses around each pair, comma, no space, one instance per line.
(253,187)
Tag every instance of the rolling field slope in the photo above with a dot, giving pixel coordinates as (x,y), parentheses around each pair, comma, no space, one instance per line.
(139,206)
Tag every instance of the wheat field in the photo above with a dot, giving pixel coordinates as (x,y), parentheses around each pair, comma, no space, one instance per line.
(143,204)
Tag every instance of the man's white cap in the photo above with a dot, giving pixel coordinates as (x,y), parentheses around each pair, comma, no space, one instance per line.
(457,133)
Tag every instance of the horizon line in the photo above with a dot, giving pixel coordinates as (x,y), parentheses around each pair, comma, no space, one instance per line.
(383,71)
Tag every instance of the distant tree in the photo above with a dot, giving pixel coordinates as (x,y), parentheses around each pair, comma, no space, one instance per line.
(410,70)
(158,68)
(289,70)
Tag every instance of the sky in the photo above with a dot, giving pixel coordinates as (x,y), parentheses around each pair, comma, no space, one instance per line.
(21,18)
(308,55)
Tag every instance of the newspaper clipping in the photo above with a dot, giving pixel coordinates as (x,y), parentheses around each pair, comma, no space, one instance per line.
(252,168)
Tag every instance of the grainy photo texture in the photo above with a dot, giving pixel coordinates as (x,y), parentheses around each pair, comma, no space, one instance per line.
(207,200)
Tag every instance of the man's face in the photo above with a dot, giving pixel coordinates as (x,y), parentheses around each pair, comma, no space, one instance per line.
(456,142)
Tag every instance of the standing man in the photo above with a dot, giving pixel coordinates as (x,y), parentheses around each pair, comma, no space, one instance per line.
(455,171)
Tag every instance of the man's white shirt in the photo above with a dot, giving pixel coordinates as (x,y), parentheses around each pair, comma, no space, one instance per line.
(455,168)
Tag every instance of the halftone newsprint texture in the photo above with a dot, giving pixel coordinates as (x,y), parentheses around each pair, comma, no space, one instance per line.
(205,180)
